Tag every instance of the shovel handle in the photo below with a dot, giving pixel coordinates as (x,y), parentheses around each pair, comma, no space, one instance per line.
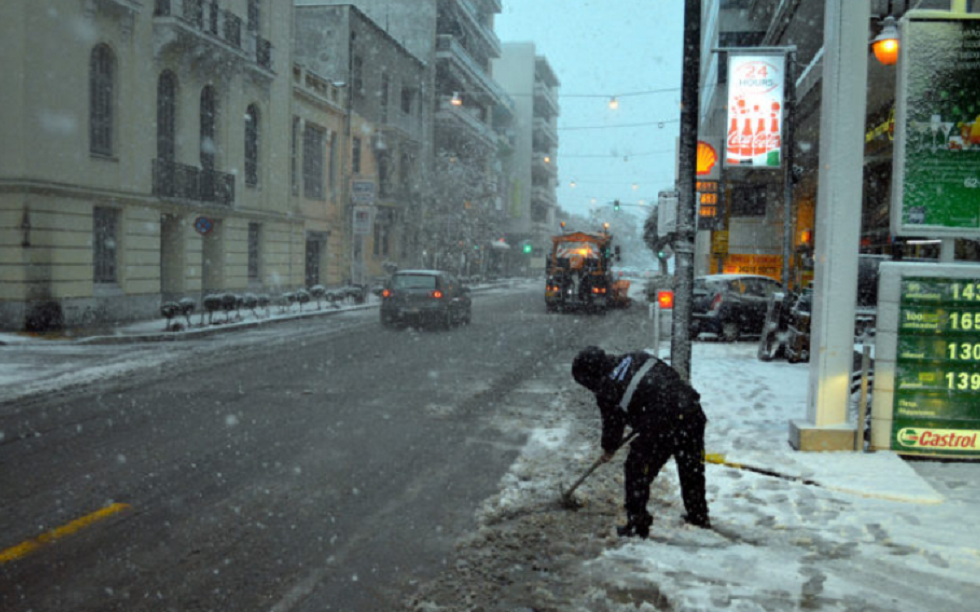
(595,465)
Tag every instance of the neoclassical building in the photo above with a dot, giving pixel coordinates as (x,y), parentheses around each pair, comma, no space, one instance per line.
(145,152)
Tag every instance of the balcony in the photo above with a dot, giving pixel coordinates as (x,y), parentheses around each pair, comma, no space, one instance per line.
(190,183)
(543,196)
(545,100)
(542,168)
(204,28)
(461,119)
(544,135)
(467,69)
(485,34)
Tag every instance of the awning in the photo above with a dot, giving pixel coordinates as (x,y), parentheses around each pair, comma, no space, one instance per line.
(500,244)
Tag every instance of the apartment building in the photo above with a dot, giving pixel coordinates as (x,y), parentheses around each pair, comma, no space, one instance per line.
(529,79)
(141,145)
(467,125)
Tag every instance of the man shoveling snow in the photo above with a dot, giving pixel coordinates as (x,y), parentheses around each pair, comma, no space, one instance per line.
(641,391)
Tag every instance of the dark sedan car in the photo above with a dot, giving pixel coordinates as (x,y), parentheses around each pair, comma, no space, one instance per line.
(422,297)
(731,305)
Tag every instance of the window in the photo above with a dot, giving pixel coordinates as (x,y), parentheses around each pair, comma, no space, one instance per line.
(333,161)
(408,96)
(294,157)
(356,155)
(252,146)
(253,251)
(380,239)
(104,222)
(209,116)
(315,246)
(384,96)
(166,116)
(102,66)
(313,149)
(254,13)
(358,76)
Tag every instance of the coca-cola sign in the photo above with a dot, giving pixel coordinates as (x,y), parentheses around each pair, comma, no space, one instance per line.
(755,110)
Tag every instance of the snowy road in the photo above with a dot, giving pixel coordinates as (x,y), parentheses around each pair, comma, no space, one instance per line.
(323,464)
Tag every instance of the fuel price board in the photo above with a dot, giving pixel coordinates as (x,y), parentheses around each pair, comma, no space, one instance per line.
(936,403)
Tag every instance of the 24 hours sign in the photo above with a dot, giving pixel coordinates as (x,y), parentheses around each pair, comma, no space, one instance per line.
(755,110)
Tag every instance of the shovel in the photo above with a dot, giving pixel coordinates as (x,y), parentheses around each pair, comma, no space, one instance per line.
(567,500)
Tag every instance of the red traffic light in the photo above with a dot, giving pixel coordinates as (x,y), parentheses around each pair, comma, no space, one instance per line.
(665,299)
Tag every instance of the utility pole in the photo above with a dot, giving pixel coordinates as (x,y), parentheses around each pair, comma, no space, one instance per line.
(680,342)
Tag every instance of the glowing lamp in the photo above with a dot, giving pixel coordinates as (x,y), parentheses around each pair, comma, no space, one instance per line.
(665,299)
(885,45)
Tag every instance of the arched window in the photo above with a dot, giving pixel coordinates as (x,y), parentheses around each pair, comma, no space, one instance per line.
(166,116)
(252,146)
(102,67)
(209,119)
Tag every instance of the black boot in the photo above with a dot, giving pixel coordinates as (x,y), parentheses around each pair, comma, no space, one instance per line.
(638,526)
(698,521)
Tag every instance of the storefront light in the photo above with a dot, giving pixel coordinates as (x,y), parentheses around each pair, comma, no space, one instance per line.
(885,45)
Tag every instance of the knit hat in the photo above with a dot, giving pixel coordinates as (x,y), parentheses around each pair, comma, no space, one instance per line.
(589,366)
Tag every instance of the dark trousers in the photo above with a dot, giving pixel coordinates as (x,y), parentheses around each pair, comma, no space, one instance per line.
(648,454)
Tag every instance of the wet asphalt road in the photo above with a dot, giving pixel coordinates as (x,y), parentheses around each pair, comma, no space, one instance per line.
(320,465)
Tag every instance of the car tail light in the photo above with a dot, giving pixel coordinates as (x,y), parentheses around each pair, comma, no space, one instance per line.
(716,303)
(598,290)
(386,293)
(437,294)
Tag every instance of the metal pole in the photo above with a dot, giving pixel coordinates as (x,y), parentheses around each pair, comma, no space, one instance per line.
(789,129)
(863,401)
(655,307)
(680,343)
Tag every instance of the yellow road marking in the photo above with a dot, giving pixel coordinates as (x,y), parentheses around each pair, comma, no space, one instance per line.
(25,548)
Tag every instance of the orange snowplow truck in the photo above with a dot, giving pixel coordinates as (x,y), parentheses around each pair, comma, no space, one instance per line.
(580,274)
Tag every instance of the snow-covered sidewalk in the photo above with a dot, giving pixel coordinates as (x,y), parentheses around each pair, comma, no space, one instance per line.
(869,531)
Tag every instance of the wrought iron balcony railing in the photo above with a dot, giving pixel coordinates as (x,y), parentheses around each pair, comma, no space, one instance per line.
(183,182)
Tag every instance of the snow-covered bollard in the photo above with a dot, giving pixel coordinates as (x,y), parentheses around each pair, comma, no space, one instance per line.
(169,310)
(335,297)
(303,297)
(212,304)
(286,300)
(318,292)
(265,302)
(251,301)
(187,307)
(229,302)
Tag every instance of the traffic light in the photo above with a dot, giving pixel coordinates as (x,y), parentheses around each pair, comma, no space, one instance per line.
(616,205)
(527,249)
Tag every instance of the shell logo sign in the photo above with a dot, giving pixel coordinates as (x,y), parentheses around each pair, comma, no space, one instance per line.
(707,158)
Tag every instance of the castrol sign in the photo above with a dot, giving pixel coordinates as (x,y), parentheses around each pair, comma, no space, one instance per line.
(755,110)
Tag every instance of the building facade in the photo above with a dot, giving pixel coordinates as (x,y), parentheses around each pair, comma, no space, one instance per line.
(141,143)
(464,155)
(532,207)
(384,92)
(752,240)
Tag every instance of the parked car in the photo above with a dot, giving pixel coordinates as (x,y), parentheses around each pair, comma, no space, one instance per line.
(731,305)
(423,297)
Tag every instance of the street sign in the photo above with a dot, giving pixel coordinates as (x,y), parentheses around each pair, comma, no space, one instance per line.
(203,225)
(755,110)
(936,178)
(363,221)
(362,192)
(929,348)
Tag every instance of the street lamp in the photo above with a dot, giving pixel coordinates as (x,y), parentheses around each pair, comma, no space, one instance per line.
(613,103)
(885,45)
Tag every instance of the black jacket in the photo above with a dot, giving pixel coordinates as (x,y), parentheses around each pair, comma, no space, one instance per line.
(661,403)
